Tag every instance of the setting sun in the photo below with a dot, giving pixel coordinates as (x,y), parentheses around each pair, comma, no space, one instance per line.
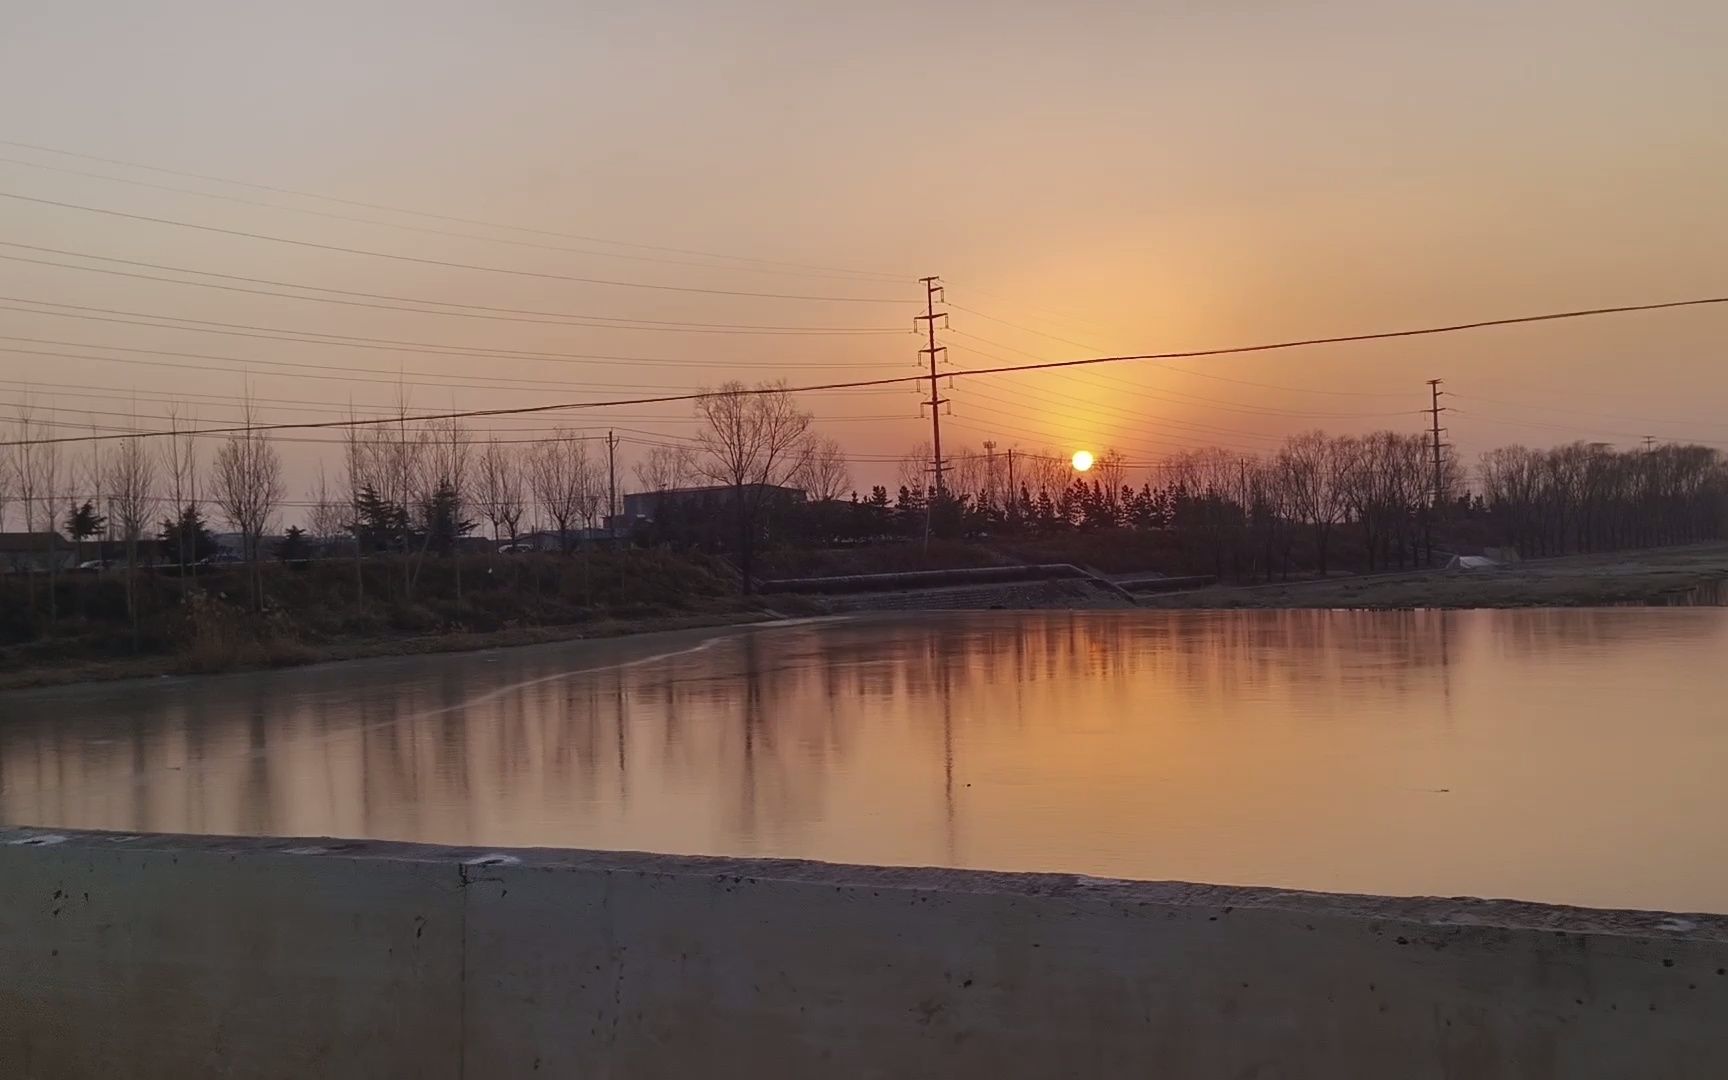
(1082,460)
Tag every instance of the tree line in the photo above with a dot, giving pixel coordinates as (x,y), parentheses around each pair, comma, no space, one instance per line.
(1591,497)
(1320,502)
(415,489)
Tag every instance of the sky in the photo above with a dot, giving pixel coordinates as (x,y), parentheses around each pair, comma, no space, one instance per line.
(1086,179)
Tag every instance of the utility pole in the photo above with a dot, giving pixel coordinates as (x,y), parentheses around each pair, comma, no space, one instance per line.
(1013,499)
(611,484)
(933,294)
(1435,410)
(1649,443)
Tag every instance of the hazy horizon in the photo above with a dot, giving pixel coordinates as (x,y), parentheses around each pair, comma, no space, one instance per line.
(1116,177)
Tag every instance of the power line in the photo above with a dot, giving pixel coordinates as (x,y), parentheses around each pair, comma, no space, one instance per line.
(900,380)
(1573,428)
(391,378)
(469,311)
(1112,418)
(1594,415)
(1017,326)
(475,382)
(378,419)
(1172,367)
(997,427)
(1120,432)
(1383,335)
(437,217)
(449,264)
(428,231)
(581,360)
(1049,314)
(1177,397)
(319,337)
(1152,456)
(1127,384)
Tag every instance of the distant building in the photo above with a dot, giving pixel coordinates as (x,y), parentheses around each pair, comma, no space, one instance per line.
(147,551)
(552,540)
(233,543)
(34,552)
(641,505)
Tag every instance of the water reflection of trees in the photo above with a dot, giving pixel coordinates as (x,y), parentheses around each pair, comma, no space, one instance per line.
(1538,633)
(741,742)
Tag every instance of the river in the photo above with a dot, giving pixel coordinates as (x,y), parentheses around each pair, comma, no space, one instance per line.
(1574,756)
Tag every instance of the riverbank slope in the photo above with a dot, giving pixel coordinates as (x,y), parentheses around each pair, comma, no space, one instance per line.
(1690,574)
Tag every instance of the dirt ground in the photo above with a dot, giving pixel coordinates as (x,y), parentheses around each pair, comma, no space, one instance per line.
(1691,574)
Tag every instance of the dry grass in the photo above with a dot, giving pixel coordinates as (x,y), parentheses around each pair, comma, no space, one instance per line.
(249,656)
(315,613)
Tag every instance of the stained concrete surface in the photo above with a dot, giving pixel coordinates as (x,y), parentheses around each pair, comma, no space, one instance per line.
(168,956)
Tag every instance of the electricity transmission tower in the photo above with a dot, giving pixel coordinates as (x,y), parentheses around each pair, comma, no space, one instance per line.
(932,296)
(1434,410)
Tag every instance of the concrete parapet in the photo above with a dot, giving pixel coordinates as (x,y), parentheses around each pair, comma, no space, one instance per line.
(186,957)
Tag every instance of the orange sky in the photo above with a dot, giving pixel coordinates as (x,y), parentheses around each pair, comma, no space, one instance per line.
(1117,177)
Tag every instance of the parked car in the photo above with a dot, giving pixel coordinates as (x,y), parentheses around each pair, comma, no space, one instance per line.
(221,558)
(515,549)
(92,566)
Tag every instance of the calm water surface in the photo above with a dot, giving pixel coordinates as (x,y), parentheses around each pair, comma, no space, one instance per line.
(1577,756)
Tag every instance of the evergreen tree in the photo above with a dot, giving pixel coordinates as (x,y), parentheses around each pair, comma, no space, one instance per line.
(294,545)
(82,523)
(909,510)
(187,537)
(1044,513)
(381,525)
(441,515)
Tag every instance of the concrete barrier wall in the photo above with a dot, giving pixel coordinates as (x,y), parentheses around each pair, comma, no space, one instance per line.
(183,957)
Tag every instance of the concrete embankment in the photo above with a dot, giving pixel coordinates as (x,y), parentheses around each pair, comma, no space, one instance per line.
(1079,594)
(1022,586)
(183,957)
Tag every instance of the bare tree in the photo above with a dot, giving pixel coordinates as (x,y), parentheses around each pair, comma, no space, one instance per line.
(825,475)
(442,481)
(1590,496)
(1111,472)
(90,480)
(1314,468)
(452,457)
(500,488)
(991,491)
(180,462)
(327,518)
(557,474)
(131,485)
(8,478)
(589,476)
(963,473)
(1209,485)
(249,491)
(666,467)
(752,441)
(1383,488)
(356,462)
(912,471)
(1047,472)
(398,452)
(1268,515)
(36,464)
